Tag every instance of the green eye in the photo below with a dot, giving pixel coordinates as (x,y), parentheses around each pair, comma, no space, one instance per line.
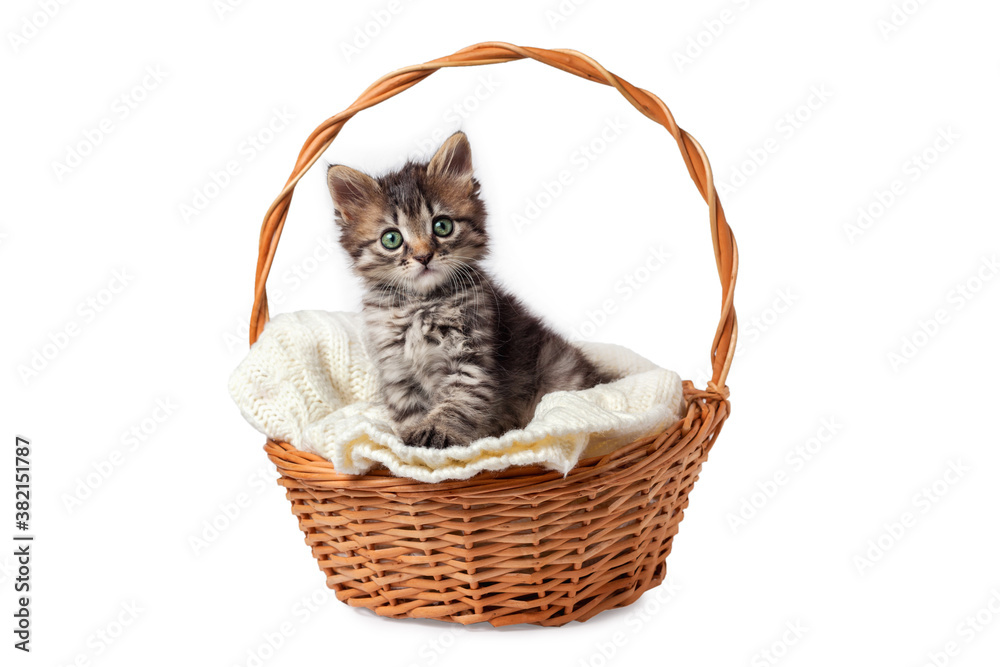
(392,239)
(443,226)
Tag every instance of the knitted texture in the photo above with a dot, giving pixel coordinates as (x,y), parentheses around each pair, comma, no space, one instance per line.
(308,381)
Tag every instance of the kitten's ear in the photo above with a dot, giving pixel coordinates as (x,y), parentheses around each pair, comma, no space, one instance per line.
(453,159)
(351,190)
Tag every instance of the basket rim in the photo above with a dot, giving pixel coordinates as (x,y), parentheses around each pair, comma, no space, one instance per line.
(687,433)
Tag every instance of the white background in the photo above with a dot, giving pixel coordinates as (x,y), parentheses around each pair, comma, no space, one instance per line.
(871,549)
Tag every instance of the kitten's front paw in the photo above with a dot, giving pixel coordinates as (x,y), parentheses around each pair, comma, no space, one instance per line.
(431,437)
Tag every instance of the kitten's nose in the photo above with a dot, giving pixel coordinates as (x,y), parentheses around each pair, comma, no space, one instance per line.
(425,258)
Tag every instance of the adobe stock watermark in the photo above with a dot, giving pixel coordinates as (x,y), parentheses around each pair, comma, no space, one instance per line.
(267,645)
(290,280)
(777,650)
(8,570)
(32,24)
(899,15)
(966,631)
(217,180)
(711,29)
(229,511)
(432,650)
(87,311)
(461,110)
(755,327)
(223,8)
(121,108)
(785,128)
(562,11)
(376,22)
(921,503)
(795,460)
(237,338)
(130,441)
(580,160)
(108,634)
(650,605)
(956,299)
(913,169)
(623,290)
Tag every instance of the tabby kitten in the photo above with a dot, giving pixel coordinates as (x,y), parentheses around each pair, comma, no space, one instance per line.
(458,357)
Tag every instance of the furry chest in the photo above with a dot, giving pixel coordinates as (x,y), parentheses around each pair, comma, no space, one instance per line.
(426,341)
(431,339)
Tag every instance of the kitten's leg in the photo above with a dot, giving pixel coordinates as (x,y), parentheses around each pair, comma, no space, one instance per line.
(407,401)
(462,410)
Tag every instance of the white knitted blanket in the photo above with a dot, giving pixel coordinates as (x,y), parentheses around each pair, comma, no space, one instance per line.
(307,381)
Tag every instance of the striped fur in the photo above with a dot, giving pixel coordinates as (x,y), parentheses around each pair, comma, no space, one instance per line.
(459,358)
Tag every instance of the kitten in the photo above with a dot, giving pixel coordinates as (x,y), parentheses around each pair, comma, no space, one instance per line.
(459,358)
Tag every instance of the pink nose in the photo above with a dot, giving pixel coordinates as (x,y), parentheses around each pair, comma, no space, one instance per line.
(425,258)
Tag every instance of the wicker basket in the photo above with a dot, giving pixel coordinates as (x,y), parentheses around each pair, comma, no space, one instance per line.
(526,545)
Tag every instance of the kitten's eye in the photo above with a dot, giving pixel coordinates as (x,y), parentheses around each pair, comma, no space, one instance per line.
(443,226)
(392,239)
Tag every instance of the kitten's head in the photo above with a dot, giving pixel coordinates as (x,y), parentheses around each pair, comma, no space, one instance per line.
(419,228)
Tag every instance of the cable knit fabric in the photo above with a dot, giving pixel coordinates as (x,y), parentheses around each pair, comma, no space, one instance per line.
(308,381)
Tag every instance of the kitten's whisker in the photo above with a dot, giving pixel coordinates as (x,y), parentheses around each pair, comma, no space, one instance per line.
(484,280)
(461,272)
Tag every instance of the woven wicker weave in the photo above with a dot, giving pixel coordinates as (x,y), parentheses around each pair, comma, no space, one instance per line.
(525,545)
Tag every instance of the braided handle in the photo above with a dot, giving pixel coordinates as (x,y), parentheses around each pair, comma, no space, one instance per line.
(726,256)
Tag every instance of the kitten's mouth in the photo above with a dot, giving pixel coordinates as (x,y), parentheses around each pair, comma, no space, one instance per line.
(426,278)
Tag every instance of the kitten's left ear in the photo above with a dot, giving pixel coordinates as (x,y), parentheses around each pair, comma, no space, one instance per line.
(453,159)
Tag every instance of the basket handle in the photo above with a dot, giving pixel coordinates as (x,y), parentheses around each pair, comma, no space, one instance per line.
(574,62)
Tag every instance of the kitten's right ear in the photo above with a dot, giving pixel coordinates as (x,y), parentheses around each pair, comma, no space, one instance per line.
(351,190)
